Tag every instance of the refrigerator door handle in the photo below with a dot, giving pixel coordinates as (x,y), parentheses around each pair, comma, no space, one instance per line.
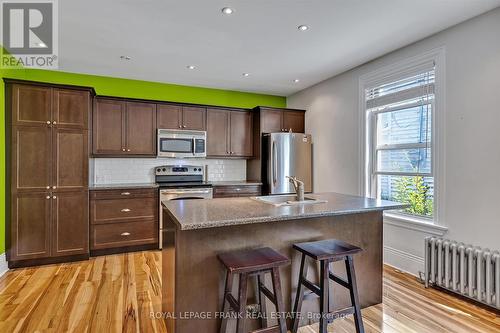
(274,162)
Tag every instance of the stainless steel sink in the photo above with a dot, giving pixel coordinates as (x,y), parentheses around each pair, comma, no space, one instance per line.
(286,200)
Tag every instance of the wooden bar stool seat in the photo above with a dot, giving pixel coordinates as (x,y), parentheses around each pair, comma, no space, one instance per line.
(326,252)
(256,262)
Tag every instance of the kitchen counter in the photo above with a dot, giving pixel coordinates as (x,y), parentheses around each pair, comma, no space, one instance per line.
(196,231)
(236,183)
(199,214)
(123,186)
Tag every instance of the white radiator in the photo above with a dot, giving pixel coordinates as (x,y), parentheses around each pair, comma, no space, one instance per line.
(464,269)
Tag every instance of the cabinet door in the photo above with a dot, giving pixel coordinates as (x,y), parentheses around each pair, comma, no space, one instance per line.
(70,223)
(194,118)
(31,158)
(217,132)
(71,108)
(31,105)
(30,225)
(71,159)
(271,121)
(293,120)
(108,132)
(241,140)
(141,128)
(169,116)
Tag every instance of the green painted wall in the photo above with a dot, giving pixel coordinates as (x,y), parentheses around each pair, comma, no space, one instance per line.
(123,88)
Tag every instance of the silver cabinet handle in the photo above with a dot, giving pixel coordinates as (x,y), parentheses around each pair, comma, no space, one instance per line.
(47,197)
(48,122)
(54,123)
(54,187)
(183,126)
(123,149)
(48,187)
(125,210)
(274,161)
(125,234)
(125,193)
(54,197)
(128,149)
(180,126)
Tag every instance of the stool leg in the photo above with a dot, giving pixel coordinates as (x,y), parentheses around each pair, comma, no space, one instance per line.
(242,301)
(351,278)
(227,290)
(299,296)
(280,309)
(261,279)
(325,292)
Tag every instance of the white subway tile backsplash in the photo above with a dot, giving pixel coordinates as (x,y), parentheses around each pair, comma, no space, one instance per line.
(141,170)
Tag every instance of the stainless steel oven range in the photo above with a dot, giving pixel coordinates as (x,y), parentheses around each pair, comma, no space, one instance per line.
(181,182)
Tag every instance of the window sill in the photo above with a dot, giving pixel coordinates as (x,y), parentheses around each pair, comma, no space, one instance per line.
(414,223)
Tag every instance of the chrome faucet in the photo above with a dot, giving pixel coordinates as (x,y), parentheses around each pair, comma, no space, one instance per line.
(298,185)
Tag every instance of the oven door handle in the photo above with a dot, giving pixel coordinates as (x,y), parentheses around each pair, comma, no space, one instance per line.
(194,146)
(186,192)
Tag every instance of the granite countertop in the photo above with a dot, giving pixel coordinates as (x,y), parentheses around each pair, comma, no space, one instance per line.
(200,214)
(122,186)
(236,183)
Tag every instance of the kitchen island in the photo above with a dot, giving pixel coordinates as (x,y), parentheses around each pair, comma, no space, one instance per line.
(195,231)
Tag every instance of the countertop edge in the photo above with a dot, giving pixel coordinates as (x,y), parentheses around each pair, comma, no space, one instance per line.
(237,222)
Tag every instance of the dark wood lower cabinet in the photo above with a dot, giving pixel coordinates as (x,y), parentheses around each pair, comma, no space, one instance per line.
(30,226)
(123,219)
(70,223)
(228,191)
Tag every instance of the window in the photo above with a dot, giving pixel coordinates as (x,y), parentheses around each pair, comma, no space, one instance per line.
(400,144)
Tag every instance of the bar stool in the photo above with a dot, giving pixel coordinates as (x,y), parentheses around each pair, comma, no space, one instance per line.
(328,251)
(257,262)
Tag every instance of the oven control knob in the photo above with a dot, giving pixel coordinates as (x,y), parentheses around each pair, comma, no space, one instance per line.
(163,169)
(158,170)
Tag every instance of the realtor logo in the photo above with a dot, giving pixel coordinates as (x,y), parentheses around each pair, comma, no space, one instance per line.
(29,34)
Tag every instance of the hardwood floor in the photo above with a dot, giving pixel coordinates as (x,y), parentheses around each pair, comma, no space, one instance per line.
(118,292)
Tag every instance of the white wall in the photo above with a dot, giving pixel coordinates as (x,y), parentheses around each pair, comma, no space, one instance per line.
(471,156)
(141,170)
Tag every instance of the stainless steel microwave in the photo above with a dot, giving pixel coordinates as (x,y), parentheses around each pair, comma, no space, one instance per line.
(182,143)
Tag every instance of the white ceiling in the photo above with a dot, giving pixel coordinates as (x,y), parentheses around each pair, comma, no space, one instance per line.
(261,37)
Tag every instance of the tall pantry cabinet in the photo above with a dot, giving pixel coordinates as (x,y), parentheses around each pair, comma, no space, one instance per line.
(48,140)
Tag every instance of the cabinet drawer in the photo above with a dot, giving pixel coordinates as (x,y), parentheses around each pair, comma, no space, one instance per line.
(105,236)
(237,191)
(123,210)
(124,193)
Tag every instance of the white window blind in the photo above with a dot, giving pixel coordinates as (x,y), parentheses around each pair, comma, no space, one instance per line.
(401,145)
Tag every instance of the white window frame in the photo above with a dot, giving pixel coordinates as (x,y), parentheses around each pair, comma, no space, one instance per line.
(392,73)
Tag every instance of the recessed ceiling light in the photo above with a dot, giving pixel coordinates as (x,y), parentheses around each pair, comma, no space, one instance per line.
(227,10)
(190,67)
(296,80)
(302,27)
(246,74)
(123,57)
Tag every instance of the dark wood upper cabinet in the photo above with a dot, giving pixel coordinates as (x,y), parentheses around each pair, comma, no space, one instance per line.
(108,132)
(70,160)
(229,133)
(293,120)
(169,116)
(124,128)
(271,121)
(30,226)
(172,116)
(31,105)
(217,132)
(71,108)
(194,118)
(141,128)
(240,129)
(30,161)
(70,223)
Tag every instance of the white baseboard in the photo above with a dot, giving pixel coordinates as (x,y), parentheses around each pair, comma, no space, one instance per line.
(3,264)
(403,261)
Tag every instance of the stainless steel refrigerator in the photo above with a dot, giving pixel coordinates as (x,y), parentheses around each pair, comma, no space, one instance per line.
(286,154)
